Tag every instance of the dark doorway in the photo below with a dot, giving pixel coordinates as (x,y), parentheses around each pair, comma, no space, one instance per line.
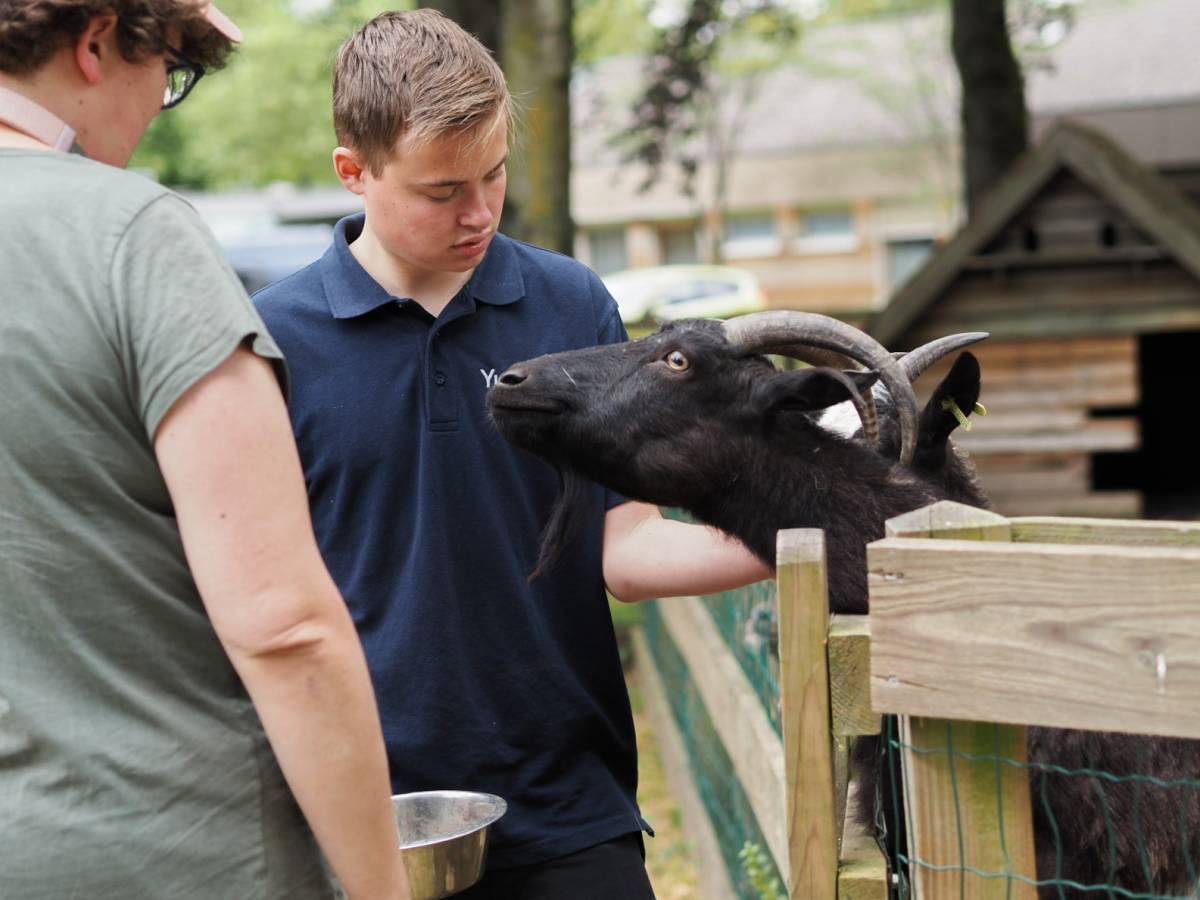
(1165,470)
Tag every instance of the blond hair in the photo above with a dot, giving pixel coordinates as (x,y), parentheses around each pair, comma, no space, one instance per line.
(414,75)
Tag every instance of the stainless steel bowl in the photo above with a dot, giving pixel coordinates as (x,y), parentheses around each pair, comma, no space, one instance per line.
(444,838)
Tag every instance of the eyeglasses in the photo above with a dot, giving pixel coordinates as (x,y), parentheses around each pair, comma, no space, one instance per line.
(182,76)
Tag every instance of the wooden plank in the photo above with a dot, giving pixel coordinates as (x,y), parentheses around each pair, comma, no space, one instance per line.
(862,872)
(804,681)
(1119,532)
(1072,476)
(1057,351)
(1022,419)
(1106,504)
(715,883)
(947,519)
(1109,435)
(1099,637)
(1037,292)
(1063,256)
(841,788)
(968,814)
(1043,318)
(1016,463)
(737,716)
(850,676)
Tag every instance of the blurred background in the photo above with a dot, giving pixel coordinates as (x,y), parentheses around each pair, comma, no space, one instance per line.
(1026,167)
(916,167)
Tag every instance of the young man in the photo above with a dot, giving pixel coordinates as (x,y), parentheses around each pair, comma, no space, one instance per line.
(171,646)
(429,522)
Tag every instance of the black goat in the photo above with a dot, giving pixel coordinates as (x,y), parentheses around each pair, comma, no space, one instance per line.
(691,418)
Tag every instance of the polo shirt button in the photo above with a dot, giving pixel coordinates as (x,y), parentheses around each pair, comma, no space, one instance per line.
(439,379)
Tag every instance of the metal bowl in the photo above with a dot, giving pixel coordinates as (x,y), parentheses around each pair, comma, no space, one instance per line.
(444,838)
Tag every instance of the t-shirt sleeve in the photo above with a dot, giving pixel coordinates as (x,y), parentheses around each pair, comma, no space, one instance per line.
(180,309)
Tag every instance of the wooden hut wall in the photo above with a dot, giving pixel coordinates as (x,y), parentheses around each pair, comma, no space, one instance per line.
(1033,449)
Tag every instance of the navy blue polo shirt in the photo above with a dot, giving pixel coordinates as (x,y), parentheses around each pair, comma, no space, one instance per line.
(430,522)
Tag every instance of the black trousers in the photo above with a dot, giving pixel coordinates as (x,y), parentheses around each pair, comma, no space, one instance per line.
(614,870)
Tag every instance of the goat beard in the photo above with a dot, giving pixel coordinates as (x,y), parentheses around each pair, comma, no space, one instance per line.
(570,510)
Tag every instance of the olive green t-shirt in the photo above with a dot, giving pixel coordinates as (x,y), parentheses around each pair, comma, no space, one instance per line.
(132,763)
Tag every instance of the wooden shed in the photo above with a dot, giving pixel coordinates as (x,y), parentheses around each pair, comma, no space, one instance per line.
(1085,267)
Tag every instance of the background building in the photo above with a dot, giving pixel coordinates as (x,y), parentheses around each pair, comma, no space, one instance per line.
(841,170)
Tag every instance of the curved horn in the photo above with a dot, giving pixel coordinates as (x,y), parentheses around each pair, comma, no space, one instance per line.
(917,361)
(782,330)
(867,413)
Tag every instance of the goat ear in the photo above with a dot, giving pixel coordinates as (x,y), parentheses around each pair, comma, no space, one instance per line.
(960,387)
(807,390)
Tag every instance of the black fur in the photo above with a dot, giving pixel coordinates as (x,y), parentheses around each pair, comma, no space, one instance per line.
(684,419)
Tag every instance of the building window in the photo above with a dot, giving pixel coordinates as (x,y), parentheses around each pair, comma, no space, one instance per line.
(679,246)
(905,257)
(827,231)
(606,250)
(754,234)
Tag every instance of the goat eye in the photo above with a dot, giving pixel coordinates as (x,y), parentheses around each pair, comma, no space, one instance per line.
(677,361)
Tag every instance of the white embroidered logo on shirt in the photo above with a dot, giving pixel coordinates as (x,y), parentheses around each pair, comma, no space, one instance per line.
(489,377)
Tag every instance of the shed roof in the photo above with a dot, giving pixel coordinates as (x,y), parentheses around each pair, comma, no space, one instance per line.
(1148,199)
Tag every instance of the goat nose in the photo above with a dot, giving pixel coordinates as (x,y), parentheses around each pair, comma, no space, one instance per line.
(512,377)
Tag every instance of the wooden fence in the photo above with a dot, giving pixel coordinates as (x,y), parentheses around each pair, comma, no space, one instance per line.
(1071,623)
(795,783)
(975,618)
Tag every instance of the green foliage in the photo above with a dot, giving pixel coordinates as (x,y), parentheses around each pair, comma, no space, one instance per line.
(759,872)
(851,10)
(266,117)
(626,617)
(606,28)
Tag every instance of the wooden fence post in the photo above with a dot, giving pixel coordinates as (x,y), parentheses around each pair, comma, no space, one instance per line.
(807,735)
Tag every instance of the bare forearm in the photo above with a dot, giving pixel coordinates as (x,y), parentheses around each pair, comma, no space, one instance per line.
(229,461)
(311,694)
(657,557)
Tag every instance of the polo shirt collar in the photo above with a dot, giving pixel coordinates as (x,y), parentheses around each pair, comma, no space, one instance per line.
(351,292)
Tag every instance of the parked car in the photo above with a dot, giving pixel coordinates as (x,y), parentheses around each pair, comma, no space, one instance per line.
(665,293)
(264,256)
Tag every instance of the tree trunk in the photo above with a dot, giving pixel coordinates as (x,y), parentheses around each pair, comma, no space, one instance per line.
(480,17)
(537,53)
(533,42)
(995,126)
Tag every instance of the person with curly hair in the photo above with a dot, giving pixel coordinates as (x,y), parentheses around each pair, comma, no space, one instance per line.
(185,709)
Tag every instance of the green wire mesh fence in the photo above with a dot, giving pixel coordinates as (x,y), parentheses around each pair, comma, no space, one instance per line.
(1146,824)
(712,772)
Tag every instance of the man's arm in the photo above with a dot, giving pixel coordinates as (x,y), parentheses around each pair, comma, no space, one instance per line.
(648,556)
(229,459)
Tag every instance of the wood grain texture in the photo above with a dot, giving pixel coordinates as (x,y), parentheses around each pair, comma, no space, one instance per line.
(804,678)
(737,716)
(862,873)
(850,676)
(1073,636)
(715,883)
(1120,532)
(968,813)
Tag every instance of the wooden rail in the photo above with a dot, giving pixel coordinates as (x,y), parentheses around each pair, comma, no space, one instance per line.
(797,785)
(976,619)
(979,626)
